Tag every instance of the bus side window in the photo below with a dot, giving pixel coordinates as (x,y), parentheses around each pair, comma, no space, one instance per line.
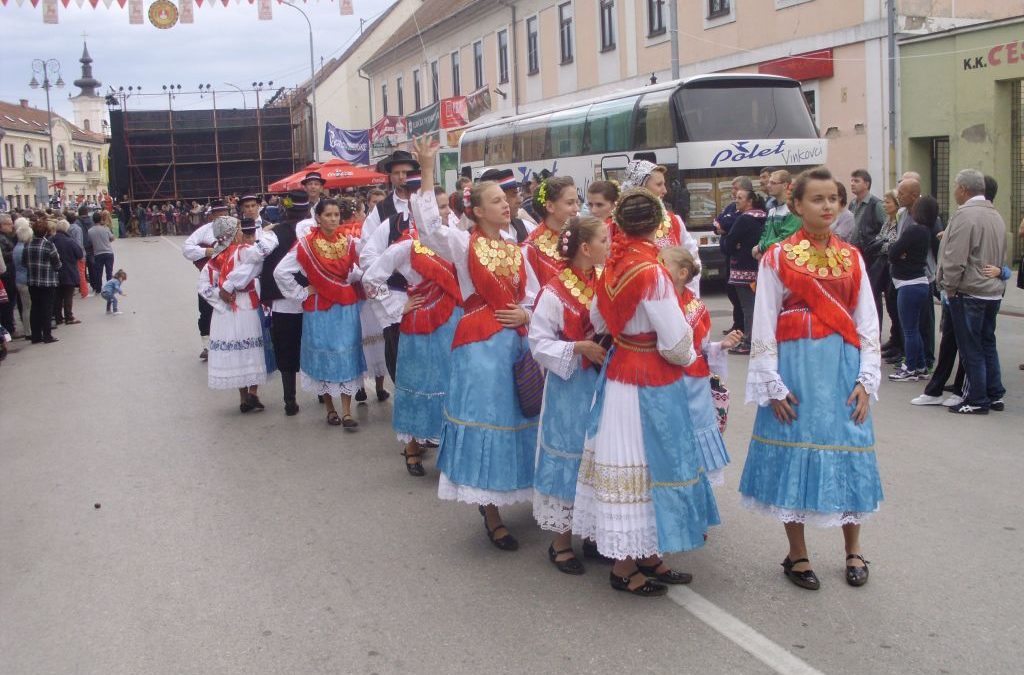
(473,146)
(566,132)
(499,144)
(610,125)
(530,141)
(654,121)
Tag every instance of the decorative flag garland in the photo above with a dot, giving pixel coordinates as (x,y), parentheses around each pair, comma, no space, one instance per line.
(183,10)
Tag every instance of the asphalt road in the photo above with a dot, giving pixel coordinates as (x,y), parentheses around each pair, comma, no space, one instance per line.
(267,544)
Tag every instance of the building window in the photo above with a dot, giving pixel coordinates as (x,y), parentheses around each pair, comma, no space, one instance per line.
(44,158)
(655,17)
(718,8)
(502,56)
(401,96)
(79,163)
(9,155)
(532,47)
(607,25)
(27,155)
(61,160)
(478,64)
(88,162)
(565,31)
(434,77)
(456,75)
(384,98)
(85,125)
(416,89)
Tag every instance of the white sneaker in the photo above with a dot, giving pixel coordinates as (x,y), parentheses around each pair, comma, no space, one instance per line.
(953,401)
(925,399)
(118,313)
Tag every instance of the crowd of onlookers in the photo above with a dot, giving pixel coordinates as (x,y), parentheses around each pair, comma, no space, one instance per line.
(912,260)
(48,258)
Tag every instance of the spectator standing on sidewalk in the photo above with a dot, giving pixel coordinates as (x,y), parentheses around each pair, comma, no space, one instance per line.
(7,242)
(68,279)
(42,262)
(975,238)
(907,258)
(722,226)
(740,242)
(101,238)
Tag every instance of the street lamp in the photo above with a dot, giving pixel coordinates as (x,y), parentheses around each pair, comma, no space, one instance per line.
(312,73)
(2,134)
(240,91)
(44,68)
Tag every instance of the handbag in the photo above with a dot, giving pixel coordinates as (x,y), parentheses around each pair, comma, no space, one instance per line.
(529,378)
(720,400)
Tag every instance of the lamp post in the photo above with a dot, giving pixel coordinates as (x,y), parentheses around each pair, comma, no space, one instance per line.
(312,74)
(240,91)
(44,68)
(2,134)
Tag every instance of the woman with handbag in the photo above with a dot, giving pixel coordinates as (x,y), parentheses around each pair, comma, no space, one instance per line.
(488,441)
(562,340)
(642,489)
(710,358)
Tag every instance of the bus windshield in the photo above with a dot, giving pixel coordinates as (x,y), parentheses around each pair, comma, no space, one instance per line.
(727,110)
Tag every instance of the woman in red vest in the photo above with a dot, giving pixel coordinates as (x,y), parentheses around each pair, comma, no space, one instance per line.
(556,201)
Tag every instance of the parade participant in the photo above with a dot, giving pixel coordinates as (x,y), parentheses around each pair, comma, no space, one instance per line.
(601,198)
(428,326)
(286,314)
(519,227)
(556,201)
(228,283)
(813,370)
(642,490)
(563,342)
(331,361)
(249,207)
(313,184)
(198,248)
(710,359)
(672,231)
(487,443)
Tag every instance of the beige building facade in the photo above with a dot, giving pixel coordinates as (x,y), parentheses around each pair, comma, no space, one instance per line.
(538,54)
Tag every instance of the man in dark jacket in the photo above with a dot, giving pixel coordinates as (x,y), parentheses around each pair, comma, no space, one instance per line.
(67,278)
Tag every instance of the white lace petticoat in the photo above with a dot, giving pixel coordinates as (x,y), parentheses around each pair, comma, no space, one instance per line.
(332,389)
(551,513)
(471,495)
(812,518)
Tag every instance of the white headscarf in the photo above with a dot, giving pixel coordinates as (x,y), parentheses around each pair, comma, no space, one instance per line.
(637,173)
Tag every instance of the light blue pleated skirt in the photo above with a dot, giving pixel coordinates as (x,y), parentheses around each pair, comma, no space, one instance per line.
(563,430)
(332,344)
(823,463)
(487,444)
(705,426)
(421,381)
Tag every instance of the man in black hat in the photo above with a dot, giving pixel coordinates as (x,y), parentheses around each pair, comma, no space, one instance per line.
(286,317)
(198,248)
(520,229)
(382,227)
(313,184)
(249,207)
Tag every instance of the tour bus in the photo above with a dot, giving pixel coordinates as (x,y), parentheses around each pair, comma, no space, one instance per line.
(706,130)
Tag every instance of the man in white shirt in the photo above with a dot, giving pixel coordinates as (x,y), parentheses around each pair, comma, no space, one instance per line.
(313,184)
(198,248)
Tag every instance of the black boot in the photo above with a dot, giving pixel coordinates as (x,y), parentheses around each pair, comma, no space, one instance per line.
(288,383)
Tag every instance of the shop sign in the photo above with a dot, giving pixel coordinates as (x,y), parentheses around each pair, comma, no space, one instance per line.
(759,152)
(1000,55)
(424,121)
(454,112)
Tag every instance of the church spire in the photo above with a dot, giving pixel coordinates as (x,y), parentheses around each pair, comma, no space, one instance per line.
(87,83)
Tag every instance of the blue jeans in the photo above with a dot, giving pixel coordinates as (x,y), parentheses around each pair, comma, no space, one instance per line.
(911,301)
(974,322)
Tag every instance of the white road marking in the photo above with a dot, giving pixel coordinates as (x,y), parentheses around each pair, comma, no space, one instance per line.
(176,246)
(743,636)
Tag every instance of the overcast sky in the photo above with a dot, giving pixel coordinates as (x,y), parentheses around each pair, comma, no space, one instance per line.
(225,44)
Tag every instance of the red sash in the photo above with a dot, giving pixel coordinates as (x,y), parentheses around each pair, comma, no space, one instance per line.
(498,272)
(439,289)
(631,276)
(327,262)
(542,253)
(819,304)
(696,313)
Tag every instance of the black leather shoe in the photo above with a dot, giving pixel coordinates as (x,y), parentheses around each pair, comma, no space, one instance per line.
(506,543)
(360,395)
(291,408)
(998,406)
(382,395)
(48,340)
(247,406)
(857,576)
(590,551)
(650,589)
(570,566)
(257,404)
(670,577)
(806,579)
(414,468)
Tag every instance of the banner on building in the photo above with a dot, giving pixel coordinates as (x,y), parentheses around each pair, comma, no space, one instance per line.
(352,146)
(454,112)
(425,121)
(266,12)
(479,102)
(386,134)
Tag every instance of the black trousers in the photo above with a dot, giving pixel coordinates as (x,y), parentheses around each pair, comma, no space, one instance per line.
(42,310)
(286,334)
(63,303)
(391,335)
(947,357)
(7,309)
(205,315)
(737,307)
(895,327)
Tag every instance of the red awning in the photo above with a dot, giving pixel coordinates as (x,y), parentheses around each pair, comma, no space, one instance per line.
(339,174)
(294,181)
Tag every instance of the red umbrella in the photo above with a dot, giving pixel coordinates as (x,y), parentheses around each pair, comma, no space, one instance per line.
(294,181)
(339,174)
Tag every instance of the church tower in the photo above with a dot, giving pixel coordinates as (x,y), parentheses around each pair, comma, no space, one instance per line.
(90,108)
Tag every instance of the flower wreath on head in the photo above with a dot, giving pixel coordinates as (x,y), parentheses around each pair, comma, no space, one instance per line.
(540,197)
(286,202)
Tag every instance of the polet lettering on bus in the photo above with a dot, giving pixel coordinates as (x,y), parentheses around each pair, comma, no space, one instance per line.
(740,152)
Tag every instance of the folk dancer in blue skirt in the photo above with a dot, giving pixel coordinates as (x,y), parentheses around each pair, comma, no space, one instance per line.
(642,489)
(487,445)
(331,358)
(428,325)
(711,358)
(813,369)
(562,341)
(228,282)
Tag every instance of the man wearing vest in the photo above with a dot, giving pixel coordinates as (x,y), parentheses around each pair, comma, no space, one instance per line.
(313,184)
(382,227)
(249,207)
(199,249)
